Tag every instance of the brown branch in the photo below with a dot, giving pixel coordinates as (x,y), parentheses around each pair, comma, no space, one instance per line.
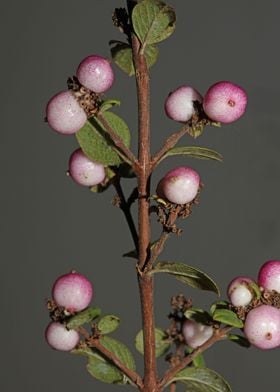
(158,247)
(170,142)
(145,281)
(95,343)
(218,335)
(124,150)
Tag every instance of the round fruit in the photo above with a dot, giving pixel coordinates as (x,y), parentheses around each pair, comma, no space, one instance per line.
(64,114)
(179,105)
(269,275)
(60,338)
(179,185)
(262,327)
(72,291)
(225,102)
(195,333)
(95,73)
(239,291)
(85,171)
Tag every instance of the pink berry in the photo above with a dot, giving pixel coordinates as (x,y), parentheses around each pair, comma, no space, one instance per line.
(225,102)
(95,73)
(179,185)
(85,171)
(239,291)
(179,105)
(60,338)
(269,275)
(195,333)
(262,327)
(64,114)
(72,291)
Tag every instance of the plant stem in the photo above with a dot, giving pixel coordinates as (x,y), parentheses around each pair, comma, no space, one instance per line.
(128,154)
(146,282)
(218,335)
(95,343)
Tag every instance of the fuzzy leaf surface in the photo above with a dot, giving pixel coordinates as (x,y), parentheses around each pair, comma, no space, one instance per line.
(108,324)
(227,317)
(153,21)
(103,370)
(122,56)
(97,144)
(162,344)
(188,275)
(202,380)
(84,317)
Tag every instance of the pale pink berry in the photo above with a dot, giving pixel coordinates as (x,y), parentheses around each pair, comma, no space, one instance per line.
(72,291)
(60,338)
(225,102)
(95,73)
(262,327)
(179,185)
(179,105)
(84,171)
(195,333)
(239,291)
(64,114)
(269,275)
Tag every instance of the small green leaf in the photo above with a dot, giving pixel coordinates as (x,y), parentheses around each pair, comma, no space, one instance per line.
(255,288)
(122,56)
(202,380)
(218,305)
(194,152)
(240,340)
(198,315)
(108,104)
(102,369)
(84,317)
(198,360)
(108,324)
(227,317)
(96,143)
(188,275)
(162,344)
(153,21)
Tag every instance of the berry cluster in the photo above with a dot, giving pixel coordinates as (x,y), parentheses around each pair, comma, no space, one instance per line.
(224,102)
(262,315)
(71,293)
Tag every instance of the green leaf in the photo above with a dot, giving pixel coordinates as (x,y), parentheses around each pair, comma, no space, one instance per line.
(108,104)
(188,275)
(102,369)
(255,288)
(162,344)
(198,360)
(198,315)
(96,143)
(194,152)
(202,380)
(240,340)
(84,317)
(227,317)
(218,305)
(153,21)
(122,56)
(108,324)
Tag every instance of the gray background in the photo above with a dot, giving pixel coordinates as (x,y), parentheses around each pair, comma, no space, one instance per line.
(50,225)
